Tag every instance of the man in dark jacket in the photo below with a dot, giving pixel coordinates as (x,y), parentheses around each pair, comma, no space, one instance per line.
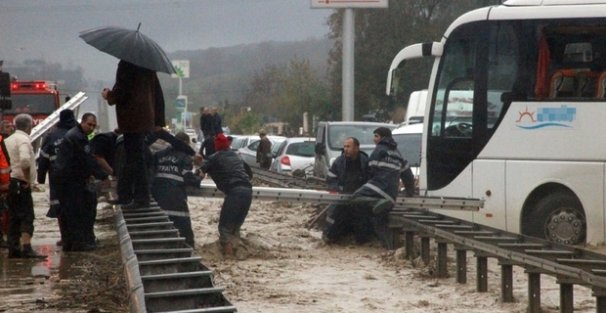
(385,168)
(75,169)
(173,172)
(46,160)
(217,120)
(264,151)
(207,126)
(347,173)
(227,171)
(139,102)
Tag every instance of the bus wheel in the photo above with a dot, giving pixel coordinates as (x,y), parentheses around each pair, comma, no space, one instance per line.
(558,218)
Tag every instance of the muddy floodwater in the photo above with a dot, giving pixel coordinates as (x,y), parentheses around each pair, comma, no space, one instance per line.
(64,282)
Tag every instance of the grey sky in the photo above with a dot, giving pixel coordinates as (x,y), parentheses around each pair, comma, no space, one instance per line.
(33,29)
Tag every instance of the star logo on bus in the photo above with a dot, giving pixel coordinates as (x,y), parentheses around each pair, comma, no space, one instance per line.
(526,113)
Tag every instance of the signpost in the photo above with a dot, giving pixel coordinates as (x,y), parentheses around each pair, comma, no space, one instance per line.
(182,71)
(348,44)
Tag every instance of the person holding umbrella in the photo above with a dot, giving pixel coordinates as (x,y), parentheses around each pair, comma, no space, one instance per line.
(140,109)
(138,98)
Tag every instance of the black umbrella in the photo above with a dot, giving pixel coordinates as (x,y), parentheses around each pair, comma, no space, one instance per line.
(129,45)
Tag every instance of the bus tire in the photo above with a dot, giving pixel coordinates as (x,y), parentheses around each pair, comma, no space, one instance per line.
(558,218)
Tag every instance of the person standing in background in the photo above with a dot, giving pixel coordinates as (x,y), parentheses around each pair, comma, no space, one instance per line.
(207,126)
(20,202)
(46,160)
(264,151)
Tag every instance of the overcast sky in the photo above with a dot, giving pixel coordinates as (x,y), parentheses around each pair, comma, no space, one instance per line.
(48,29)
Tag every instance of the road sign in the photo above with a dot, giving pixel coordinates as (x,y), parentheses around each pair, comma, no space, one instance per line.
(181,102)
(335,4)
(182,68)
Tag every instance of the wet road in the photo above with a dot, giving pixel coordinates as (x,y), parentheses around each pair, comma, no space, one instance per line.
(59,283)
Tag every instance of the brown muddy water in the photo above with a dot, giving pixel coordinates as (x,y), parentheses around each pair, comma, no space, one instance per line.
(64,282)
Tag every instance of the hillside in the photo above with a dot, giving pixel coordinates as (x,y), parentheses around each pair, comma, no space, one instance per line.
(223,74)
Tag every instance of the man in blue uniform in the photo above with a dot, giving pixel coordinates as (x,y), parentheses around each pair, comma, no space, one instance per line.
(385,169)
(76,169)
(48,154)
(173,172)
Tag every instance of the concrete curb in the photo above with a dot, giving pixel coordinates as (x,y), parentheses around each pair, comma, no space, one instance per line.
(136,296)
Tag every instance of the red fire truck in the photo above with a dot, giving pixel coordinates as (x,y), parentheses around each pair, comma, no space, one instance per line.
(36,98)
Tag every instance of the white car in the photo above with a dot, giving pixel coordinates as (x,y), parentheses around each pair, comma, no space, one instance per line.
(409,139)
(248,154)
(294,154)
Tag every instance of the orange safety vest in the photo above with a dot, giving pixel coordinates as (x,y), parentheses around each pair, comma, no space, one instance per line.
(5,170)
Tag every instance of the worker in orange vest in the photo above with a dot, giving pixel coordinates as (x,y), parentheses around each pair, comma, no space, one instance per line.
(5,176)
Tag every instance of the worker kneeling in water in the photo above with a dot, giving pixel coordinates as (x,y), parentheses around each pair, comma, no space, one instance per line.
(227,171)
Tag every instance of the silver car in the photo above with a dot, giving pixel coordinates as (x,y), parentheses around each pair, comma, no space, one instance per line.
(294,154)
(248,154)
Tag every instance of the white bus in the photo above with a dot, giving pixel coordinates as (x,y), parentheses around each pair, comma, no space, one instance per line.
(514,116)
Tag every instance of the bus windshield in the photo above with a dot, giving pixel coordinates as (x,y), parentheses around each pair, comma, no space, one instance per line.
(32,103)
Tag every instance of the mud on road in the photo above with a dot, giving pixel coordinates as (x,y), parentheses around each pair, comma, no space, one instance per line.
(65,282)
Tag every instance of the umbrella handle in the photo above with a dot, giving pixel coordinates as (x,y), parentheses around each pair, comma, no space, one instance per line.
(139,26)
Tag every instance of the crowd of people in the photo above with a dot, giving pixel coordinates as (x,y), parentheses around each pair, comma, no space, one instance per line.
(148,162)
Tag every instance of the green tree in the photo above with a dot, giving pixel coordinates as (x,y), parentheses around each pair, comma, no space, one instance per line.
(380,35)
(285,92)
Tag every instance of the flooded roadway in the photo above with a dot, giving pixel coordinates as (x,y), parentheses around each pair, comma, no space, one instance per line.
(64,282)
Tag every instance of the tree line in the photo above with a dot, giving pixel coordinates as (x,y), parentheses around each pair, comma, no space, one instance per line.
(284,92)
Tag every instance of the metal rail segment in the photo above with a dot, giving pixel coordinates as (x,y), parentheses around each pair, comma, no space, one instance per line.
(570,265)
(283,180)
(163,273)
(53,119)
(322,196)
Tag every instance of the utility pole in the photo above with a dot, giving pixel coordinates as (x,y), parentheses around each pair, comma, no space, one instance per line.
(349,34)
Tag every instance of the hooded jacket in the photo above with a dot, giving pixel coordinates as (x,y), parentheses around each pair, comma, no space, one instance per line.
(385,165)
(50,145)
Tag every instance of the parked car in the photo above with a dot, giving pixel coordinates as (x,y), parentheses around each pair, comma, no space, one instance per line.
(294,154)
(409,139)
(330,137)
(241,141)
(248,154)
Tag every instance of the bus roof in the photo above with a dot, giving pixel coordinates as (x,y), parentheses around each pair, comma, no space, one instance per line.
(532,10)
(550,2)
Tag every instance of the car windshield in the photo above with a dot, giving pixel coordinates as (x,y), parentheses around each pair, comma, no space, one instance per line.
(303,149)
(409,146)
(338,134)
